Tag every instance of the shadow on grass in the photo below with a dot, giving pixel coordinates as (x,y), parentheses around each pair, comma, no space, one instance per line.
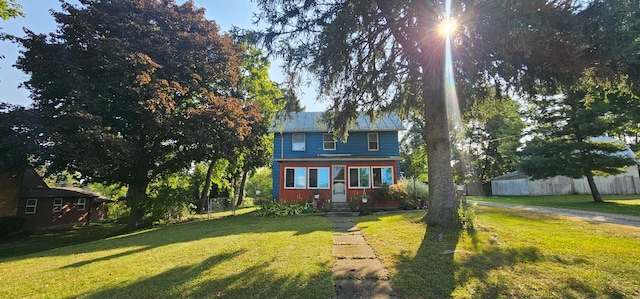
(56,245)
(26,243)
(257,281)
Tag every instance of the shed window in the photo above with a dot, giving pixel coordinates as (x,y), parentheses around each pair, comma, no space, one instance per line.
(381,176)
(57,204)
(31,206)
(319,178)
(295,178)
(373,141)
(328,144)
(81,204)
(359,177)
(298,142)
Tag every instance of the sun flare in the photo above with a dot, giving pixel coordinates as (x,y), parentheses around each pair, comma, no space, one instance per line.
(447,27)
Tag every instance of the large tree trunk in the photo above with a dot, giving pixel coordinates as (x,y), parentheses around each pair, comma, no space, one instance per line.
(205,190)
(241,191)
(136,194)
(594,189)
(443,205)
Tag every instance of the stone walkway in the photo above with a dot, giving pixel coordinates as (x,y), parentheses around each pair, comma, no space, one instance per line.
(358,272)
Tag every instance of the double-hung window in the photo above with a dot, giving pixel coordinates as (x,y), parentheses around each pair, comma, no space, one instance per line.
(318,178)
(373,142)
(298,142)
(328,144)
(359,177)
(382,175)
(57,204)
(295,178)
(81,204)
(31,206)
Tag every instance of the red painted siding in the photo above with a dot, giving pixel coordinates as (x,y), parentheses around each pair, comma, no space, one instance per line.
(305,195)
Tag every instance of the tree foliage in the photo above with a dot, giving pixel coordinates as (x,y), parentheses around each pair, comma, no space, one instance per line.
(21,138)
(131,90)
(494,127)
(569,134)
(10,9)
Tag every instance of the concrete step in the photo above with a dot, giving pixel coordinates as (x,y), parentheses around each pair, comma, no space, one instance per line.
(341,214)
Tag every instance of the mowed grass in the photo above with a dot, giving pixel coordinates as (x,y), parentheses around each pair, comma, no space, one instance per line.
(233,257)
(511,254)
(617,204)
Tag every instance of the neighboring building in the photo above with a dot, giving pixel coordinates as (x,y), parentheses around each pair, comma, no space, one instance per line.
(23,193)
(518,184)
(307,160)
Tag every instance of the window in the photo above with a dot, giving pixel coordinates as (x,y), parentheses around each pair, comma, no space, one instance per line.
(381,176)
(31,206)
(57,204)
(328,144)
(373,141)
(359,177)
(298,142)
(319,178)
(295,178)
(81,204)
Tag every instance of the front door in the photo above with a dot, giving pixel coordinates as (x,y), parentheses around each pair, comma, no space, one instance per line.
(338,184)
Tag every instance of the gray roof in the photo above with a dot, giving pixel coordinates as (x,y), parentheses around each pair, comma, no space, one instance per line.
(511,176)
(311,122)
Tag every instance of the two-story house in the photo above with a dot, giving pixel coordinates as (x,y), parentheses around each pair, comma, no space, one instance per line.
(307,160)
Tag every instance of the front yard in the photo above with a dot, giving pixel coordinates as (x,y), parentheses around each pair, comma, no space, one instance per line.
(511,254)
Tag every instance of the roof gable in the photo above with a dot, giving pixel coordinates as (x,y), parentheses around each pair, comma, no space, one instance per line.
(312,122)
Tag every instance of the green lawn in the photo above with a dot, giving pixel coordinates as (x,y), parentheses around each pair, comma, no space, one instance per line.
(512,254)
(617,204)
(233,257)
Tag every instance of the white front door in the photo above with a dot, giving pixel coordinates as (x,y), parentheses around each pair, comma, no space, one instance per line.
(338,184)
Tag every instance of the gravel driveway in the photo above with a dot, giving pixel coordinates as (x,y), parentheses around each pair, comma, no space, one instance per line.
(592,216)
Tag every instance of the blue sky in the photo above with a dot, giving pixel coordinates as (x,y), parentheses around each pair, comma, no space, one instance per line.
(226,13)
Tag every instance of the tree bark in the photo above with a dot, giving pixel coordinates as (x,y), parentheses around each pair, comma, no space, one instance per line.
(594,189)
(207,187)
(443,205)
(241,191)
(136,194)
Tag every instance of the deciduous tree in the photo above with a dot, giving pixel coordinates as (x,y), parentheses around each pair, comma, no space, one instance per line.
(124,85)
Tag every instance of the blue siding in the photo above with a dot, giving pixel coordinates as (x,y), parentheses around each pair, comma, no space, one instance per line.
(356,145)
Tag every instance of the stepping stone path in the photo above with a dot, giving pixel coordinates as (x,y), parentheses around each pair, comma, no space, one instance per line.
(358,272)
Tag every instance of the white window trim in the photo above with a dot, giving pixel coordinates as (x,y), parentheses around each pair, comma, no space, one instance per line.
(324,142)
(381,167)
(34,206)
(57,207)
(369,142)
(83,204)
(304,142)
(359,187)
(306,177)
(328,177)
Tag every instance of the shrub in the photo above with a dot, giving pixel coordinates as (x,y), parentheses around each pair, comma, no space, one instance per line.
(417,193)
(11,225)
(276,209)
(354,202)
(379,194)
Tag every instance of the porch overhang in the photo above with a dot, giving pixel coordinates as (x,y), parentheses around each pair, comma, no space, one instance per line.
(337,158)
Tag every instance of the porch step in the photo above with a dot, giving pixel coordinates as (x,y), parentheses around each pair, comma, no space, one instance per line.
(340,209)
(341,214)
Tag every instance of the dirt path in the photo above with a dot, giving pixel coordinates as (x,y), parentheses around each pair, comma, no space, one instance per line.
(591,216)
(358,272)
